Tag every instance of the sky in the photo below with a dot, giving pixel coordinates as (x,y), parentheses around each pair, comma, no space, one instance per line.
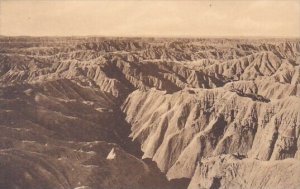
(164,18)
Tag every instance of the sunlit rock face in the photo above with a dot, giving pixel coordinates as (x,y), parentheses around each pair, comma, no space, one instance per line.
(95,113)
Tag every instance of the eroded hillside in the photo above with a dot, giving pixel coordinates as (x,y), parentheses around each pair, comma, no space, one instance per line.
(210,113)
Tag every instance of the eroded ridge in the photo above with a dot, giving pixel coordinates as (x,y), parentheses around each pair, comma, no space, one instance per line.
(210,113)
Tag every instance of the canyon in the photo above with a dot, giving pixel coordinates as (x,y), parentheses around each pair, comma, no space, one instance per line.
(112,113)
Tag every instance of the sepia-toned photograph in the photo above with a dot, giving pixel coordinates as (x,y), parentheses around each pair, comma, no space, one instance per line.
(149,94)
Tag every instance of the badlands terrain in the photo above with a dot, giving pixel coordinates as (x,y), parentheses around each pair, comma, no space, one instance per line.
(149,113)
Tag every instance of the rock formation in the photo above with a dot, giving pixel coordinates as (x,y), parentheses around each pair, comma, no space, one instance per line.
(149,113)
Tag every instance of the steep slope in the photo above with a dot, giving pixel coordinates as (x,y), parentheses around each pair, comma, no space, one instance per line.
(58,134)
(178,130)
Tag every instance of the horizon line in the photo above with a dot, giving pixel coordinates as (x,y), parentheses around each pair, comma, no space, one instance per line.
(158,36)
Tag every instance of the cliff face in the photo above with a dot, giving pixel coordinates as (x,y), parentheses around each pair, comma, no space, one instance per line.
(178,130)
(211,110)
